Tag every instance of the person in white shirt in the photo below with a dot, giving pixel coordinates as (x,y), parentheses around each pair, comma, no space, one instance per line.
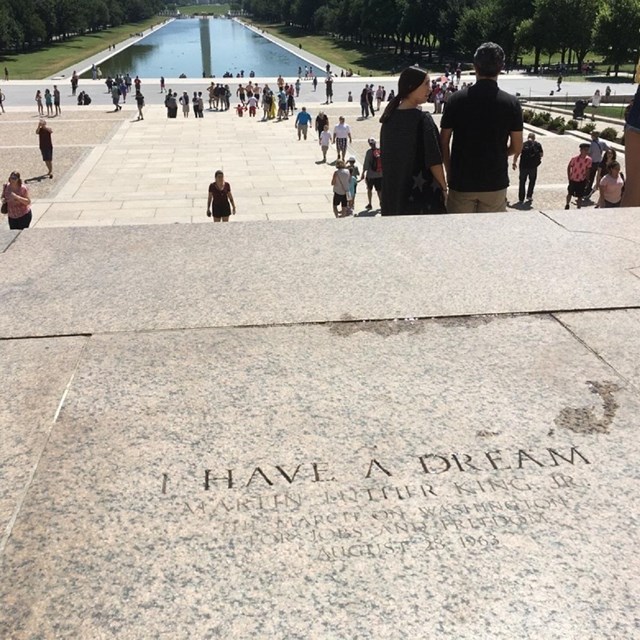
(325,141)
(342,134)
(253,103)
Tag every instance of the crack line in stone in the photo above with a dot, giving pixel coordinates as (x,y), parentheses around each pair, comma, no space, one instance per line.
(589,348)
(4,540)
(594,233)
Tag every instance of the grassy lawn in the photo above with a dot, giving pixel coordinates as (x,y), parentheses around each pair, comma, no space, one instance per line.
(609,111)
(205,9)
(343,54)
(46,62)
(599,75)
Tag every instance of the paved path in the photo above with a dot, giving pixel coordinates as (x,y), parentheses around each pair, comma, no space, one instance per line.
(308,57)
(105,54)
(111,169)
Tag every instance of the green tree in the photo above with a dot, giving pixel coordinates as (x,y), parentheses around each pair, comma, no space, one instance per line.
(67,18)
(46,10)
(616,31)
(32,26)
(495,21)
(10,30)
(302,12)
(567,25)
(448,14)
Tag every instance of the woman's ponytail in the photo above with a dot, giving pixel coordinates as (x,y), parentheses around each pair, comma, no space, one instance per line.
(391,107)
(409,80)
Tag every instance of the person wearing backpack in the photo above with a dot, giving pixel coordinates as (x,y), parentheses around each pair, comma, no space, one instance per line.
(372,171)
(530,159)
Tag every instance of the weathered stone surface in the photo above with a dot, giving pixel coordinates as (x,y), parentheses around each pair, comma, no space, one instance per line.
(445,479)
(34,375)
(190,276)
(6,238)
(613,335)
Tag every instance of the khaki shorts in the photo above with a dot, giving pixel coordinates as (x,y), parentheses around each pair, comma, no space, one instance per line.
(476,201)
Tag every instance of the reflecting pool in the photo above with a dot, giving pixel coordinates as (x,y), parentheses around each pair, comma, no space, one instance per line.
(191,46)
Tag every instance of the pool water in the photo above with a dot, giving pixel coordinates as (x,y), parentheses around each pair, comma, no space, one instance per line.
(191,46)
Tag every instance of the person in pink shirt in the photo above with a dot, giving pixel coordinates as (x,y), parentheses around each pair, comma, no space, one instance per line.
(611,187)
(578,173)
(16,201)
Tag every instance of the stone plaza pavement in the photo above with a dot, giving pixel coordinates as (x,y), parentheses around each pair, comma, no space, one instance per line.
(111,169)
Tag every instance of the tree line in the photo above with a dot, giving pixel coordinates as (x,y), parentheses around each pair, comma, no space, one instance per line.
(445,28)
(30,24)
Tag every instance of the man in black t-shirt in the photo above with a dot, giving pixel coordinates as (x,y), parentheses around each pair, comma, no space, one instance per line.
(530,159)
(486,124)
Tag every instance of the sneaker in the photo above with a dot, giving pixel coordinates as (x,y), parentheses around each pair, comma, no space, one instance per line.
(368,207)
(566,206)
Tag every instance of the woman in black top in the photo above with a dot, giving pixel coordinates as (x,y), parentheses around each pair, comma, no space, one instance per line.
(220,203)
(413,179)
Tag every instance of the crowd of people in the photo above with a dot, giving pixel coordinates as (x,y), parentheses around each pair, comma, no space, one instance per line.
(49,100)
(462,167)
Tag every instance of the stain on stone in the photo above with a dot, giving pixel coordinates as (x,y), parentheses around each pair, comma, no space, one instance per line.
(384,328)
(349,325)
(487,434)
(586,419)
(468,322)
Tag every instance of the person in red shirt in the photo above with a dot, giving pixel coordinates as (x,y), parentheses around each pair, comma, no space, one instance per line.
(221,199)
(578,174)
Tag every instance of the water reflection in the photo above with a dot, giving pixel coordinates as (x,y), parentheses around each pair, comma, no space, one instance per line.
(194,46)
(205,46)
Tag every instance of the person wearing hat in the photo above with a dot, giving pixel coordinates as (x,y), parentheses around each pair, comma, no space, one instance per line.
(354,172)
(372,171)
(578,174)
(340,182)
(351,166)
(414,181)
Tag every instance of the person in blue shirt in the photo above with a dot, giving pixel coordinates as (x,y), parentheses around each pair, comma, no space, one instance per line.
(302,122)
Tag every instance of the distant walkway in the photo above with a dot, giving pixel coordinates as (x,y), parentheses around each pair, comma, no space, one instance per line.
(111,169)
(317,61)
